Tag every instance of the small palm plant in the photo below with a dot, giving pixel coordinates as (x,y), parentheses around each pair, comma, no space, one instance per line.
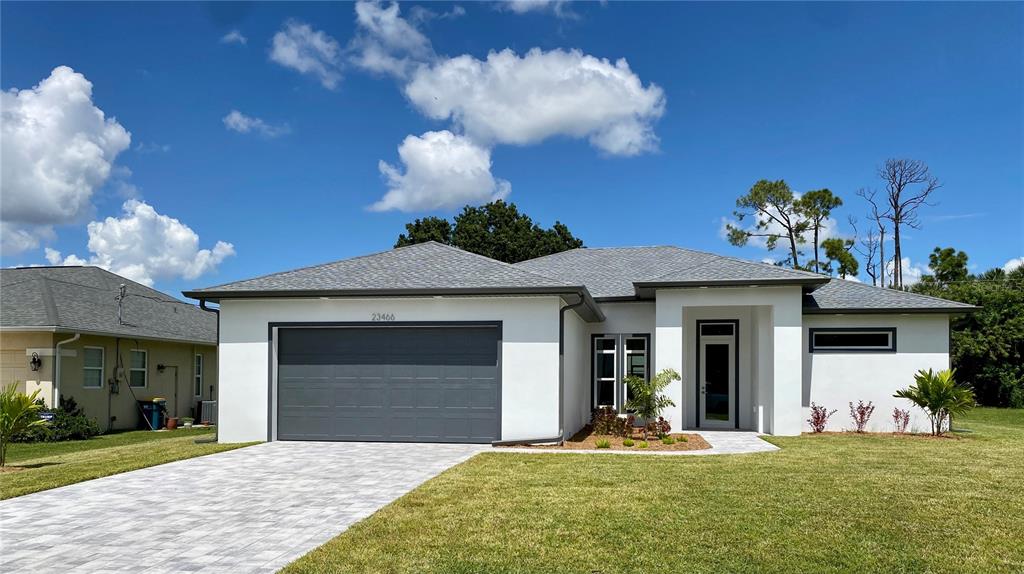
(939,395)
(18,413)
(647,401)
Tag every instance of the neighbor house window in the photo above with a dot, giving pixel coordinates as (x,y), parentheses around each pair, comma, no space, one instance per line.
(853,340)
(199,375)
(137,368)
(92,364)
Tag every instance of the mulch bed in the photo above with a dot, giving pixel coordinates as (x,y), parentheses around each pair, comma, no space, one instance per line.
(585,440)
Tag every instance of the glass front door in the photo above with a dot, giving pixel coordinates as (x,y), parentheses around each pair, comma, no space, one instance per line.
(717,381)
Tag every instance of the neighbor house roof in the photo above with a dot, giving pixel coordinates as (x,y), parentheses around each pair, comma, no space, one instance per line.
(83,299)
(429,268)
(626,272)
(842,296)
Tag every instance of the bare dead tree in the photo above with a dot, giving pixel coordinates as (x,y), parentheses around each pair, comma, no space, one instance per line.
(877,215)
(908,186)
(867,247)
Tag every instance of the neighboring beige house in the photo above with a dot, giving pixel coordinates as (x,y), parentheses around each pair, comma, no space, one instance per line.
(115,349)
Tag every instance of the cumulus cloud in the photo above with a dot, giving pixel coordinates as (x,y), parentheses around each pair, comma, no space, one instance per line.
(146,246)
(442,170)
(234,37)
(243,124)
(559,8)
(912,272)
(387,43)
(299,47)
(526,99)
(15,239)
(58,149)
(1013,264)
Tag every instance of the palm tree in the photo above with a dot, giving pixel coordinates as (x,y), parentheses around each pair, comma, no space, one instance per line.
(939,395)
(647,402)
(18,413)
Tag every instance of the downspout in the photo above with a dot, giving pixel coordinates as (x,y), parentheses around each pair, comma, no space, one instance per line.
(561,383)
(56,369)
(216,429)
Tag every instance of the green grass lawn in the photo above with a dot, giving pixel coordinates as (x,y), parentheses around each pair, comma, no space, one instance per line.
(49,465)
(824,503)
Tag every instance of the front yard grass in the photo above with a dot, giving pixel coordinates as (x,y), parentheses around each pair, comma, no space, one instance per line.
(824,503)
(49,465)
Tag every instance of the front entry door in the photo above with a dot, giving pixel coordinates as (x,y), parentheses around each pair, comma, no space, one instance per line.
(717,382)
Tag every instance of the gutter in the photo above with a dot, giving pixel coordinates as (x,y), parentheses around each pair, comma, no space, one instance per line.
(561,383)
(55,401)
(216,429)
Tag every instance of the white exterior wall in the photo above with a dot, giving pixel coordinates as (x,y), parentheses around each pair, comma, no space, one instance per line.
(779,381)
(529,354)
(576,398)
(835,379)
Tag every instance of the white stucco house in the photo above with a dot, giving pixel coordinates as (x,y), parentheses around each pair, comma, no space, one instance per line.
(434,344)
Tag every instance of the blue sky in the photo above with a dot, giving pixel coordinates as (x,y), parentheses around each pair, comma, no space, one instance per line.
(816,94)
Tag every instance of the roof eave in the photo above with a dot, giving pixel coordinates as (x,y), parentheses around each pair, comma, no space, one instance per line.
(645,289)
(889,310)
(590,311)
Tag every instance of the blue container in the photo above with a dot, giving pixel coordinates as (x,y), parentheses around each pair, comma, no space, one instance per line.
(154,414)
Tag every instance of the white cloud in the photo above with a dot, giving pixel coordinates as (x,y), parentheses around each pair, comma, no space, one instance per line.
(387,43)
(15,239)
(243,124)
(1013,264)
(526,99)
(912,272)
(58,149)
(299,47)
(442,170)
(145,246)
(559,8)
(234,37)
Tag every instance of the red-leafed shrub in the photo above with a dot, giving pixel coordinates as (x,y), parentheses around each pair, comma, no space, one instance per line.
(819,417)
(900,420)
(860,414)
(605,421)
(659,428)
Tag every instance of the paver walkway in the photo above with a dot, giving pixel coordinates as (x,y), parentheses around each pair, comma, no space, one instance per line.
(250,510)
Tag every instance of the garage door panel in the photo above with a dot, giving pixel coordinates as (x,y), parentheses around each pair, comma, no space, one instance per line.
(433,383)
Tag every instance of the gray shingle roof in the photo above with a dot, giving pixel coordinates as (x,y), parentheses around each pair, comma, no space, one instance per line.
(840,295)
(423,266)
(612,272)
(83,299)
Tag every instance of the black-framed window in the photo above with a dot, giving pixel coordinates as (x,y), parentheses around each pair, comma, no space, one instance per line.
(853,340)
(615,357)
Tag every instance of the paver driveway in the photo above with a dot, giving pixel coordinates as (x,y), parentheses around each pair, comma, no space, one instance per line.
(249,510)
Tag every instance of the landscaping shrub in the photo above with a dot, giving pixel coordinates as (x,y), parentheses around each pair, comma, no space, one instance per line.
(647,401)
(682,438)
(819,417)
(642,444)
(860,414)
(659,428)
(628,442)
(605,421)
(900,420)
(18,413)
(939,395)
(668,440)
(69,423)
(604,443)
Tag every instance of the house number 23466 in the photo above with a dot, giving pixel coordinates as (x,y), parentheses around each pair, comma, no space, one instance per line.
(382,316)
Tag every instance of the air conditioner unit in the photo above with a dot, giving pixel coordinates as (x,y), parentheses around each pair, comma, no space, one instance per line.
(208,412)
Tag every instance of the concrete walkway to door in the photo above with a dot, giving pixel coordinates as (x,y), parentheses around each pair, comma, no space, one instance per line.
(249,510)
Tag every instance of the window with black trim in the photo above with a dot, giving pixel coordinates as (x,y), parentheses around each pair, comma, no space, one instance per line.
(878,340)
(617,356)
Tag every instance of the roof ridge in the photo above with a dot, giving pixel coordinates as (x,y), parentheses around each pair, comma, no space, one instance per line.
(48,302)
(503,263)
(752,262)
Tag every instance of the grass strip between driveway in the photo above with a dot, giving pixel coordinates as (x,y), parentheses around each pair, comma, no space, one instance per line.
(49,465)
(824,503)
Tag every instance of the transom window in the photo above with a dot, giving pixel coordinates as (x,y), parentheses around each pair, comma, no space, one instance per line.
(137,367)
(199,375)
(92,367)
(617,356)
(853,340)
(716,329)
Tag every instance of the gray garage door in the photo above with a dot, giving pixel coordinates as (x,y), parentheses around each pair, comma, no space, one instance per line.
(406,383)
